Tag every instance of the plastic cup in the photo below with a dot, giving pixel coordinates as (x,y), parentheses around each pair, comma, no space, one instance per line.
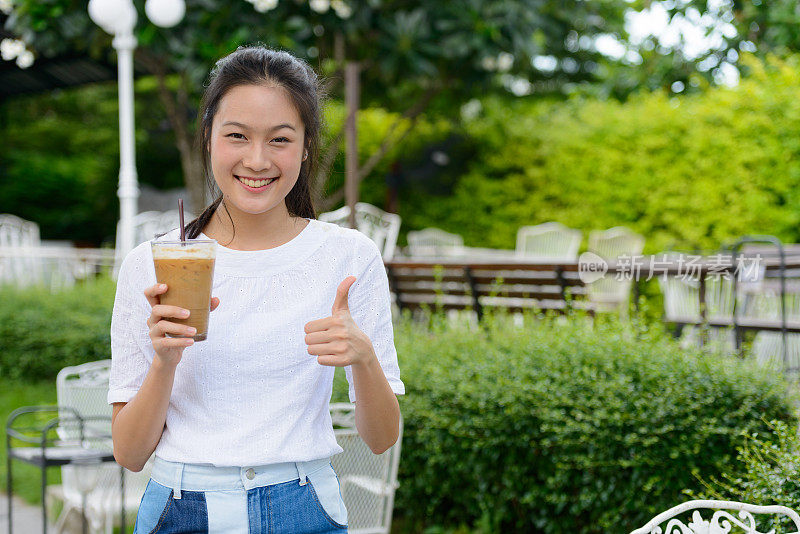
(187,267)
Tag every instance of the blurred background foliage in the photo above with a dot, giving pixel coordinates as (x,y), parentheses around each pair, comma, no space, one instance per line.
(418,57)
(690,172)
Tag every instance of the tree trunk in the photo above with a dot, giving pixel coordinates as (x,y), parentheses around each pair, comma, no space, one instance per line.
(176,105)
(351,98)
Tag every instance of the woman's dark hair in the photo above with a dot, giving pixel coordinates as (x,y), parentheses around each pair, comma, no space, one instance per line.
(258,65)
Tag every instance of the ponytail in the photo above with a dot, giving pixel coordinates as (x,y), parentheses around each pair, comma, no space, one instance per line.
(194,228)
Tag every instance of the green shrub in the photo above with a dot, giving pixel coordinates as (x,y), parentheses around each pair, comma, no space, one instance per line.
(768,471)
(42,332)
(564,427)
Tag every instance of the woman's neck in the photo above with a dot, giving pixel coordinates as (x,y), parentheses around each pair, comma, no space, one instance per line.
(246,231)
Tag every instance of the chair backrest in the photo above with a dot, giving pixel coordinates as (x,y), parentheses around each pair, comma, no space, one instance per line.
(550,241)
(84,389)
(378,225)
(368,481)
(614,242)
(22,268)
(724,515)
(681,298)
(434,242)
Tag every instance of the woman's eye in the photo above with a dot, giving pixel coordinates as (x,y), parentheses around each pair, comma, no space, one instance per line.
(235,136)
(280,140)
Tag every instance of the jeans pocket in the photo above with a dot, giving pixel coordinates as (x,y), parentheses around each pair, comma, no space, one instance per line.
(154,506)
(325,488)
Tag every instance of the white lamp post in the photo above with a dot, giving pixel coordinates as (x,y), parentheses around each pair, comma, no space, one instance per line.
(118,18)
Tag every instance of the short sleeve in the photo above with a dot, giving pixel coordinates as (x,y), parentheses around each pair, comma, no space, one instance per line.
(370,306)
(131,350)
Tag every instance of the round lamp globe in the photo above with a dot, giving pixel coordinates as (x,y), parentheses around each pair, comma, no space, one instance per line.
(165,13)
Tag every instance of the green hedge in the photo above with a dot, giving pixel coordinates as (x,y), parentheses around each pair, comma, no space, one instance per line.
(686,172)
(564,427)
(42,332)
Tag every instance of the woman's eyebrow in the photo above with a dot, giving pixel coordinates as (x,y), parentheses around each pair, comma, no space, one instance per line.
(273,129)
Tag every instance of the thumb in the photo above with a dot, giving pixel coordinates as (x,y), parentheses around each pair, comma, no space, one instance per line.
(340,304)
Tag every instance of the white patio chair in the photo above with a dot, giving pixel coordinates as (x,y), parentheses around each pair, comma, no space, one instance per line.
(767,347)
(378,225)
(23,268)
(551,241)
(433,242)
(94,489)
(146,226)
(367,481)
(612,245)
(725,516)
(682,305)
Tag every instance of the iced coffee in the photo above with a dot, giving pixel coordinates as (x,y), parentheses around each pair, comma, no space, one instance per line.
(187,268)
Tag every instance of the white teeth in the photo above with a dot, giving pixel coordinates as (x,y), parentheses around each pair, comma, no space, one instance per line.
(256,183)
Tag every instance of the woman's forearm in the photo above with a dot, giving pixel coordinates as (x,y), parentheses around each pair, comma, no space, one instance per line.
(137,426)
(377,409)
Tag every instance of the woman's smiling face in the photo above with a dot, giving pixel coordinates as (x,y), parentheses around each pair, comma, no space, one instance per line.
(256,147)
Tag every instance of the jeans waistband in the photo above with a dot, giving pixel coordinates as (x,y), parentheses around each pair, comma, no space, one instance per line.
(203,477)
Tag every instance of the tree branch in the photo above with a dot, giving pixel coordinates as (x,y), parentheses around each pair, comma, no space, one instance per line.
(326,162)
(411,114)
(327,203)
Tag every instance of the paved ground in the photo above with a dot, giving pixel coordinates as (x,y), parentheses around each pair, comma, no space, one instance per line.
(27,518)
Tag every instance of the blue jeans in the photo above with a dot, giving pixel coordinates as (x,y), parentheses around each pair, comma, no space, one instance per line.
(291,498)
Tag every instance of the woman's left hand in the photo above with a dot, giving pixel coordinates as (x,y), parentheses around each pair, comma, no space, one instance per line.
(337,340)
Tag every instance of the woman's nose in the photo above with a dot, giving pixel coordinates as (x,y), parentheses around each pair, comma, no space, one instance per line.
(257,158)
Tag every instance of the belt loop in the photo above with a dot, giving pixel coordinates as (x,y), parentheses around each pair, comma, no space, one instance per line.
(301,472)
(177,482)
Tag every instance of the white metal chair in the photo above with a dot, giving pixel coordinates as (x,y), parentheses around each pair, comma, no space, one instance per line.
(378,225)
(767,347)
(612,245)
(146,226)
(24,260)
(725,517)
(368,481)
(615,242)
(435,243)
(23,267)
(682,303)
(551,241)
(95,489)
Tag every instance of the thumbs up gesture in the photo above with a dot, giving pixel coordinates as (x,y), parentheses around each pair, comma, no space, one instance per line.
(337,340)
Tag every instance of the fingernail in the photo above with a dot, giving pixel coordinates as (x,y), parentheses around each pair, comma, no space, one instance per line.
(189,342)
(162,286)
(185,313)
(191,331)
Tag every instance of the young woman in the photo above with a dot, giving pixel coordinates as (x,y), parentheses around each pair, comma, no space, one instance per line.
(240,422)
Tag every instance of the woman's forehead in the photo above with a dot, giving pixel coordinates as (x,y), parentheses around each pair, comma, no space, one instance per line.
(258,107)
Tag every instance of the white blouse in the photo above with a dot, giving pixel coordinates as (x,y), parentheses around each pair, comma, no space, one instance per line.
(251,394)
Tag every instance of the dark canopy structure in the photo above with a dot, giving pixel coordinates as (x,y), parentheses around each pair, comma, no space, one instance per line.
(53,73)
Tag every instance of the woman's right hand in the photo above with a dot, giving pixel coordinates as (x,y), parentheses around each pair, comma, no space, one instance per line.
(168,349)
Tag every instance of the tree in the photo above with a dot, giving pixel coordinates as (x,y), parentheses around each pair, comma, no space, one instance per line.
(411,56)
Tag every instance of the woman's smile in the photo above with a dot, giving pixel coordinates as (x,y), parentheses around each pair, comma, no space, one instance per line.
(254,184)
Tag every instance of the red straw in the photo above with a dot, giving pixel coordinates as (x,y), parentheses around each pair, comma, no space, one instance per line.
(180,214)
